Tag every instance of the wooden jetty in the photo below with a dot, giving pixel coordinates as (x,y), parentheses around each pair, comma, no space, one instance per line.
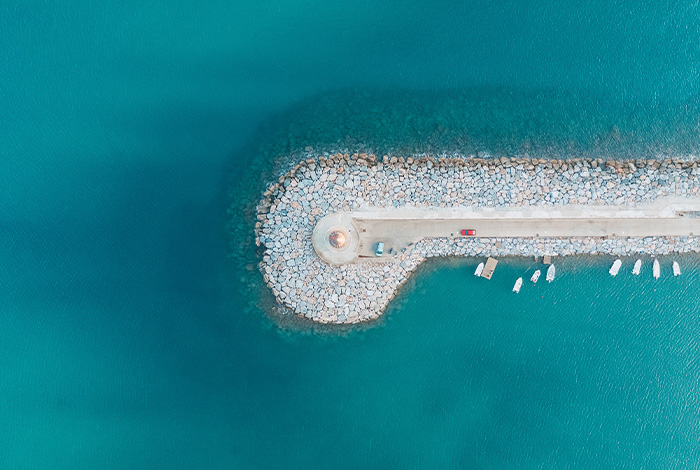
(489,268)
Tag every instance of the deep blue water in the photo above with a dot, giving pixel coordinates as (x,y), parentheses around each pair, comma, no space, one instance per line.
(127,337)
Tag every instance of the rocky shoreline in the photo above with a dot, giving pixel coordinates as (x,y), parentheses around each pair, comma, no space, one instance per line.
(352,293)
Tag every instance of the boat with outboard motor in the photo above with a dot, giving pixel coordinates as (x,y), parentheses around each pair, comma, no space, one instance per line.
(551,272)
(615,268)
(518,285)
(637,267)
(676,269)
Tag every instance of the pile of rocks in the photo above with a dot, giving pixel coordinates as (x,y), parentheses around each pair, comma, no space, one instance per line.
(561,246)
(292,206)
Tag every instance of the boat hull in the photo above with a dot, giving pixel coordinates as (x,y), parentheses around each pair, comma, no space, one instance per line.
(551,272)
(518,285)
(637,267)
(676,269)
(615,268)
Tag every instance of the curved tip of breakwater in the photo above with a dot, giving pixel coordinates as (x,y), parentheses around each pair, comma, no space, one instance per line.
(321,222)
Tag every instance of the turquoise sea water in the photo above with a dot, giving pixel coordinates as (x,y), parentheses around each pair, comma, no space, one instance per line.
(130,338)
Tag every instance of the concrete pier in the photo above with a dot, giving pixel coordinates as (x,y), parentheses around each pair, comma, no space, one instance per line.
(399,229)
(319,224)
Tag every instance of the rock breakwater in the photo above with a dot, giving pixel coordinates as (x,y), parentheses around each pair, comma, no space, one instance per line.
(350,293)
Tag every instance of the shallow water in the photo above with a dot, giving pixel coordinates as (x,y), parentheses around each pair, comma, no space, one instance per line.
(129,338)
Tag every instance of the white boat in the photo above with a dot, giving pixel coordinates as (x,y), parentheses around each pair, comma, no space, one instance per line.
(676,269)
(479,269)
(637,267)
(535,276)
(550,273)
(615,268)
(518,284)
(657,269)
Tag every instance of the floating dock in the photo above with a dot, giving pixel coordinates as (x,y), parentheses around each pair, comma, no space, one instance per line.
(489,268)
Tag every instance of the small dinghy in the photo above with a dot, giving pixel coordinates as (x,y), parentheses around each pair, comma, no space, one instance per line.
(535,276)
(551,273)
(518,285)
(676,269)
(615,268)
(637,267)
(657,269)
(479,269)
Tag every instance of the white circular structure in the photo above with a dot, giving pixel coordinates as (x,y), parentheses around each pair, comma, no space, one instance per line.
(335,239)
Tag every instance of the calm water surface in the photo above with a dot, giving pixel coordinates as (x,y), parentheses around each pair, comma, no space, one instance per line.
(125,340)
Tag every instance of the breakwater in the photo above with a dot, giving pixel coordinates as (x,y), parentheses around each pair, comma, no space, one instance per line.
(341,183)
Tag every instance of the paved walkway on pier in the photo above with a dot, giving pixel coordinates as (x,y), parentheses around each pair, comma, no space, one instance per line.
(399,229)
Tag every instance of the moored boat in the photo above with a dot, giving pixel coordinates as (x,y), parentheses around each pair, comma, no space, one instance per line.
(479,269)
(676,269)
(535,276)
(551,272)
(637,267)
(615,268)
(518,284)
(657,269)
